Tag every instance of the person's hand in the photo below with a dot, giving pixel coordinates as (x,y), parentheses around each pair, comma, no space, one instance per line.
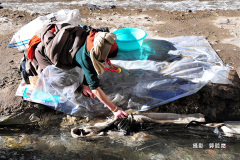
(119,113)
(87,91)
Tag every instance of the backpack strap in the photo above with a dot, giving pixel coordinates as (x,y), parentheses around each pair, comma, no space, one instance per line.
(32,45)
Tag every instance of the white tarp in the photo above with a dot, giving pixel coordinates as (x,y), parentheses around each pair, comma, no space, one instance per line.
(163,70)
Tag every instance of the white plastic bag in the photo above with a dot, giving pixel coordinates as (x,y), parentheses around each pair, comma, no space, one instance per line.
(21,39)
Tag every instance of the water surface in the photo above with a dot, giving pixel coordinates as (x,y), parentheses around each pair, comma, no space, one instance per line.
(160,143)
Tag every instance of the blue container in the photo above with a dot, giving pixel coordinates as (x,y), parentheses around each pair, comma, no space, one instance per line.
(41,96)
(129,39)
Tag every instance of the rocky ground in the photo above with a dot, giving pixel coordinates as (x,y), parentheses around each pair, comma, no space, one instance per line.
(221,29)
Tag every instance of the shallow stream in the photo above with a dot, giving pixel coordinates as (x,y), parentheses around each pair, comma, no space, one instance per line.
(162,142)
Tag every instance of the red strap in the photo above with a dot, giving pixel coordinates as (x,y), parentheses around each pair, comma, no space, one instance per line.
(52,30)
(112,67)
(118,70)
(34,41)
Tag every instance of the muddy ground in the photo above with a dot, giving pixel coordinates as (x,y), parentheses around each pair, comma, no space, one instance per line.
(221,29)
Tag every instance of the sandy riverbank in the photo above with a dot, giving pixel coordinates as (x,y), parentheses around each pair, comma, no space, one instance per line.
(221,29)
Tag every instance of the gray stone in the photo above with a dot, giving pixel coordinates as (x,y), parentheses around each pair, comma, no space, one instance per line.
(93,7)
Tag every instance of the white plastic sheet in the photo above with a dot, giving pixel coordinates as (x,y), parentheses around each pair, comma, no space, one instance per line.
(21,38)
(163,70)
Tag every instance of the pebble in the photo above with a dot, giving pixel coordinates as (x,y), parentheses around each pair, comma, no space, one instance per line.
(87,119)
(223,21)
(111,7)
(34,118)
(19,16)
(93,7)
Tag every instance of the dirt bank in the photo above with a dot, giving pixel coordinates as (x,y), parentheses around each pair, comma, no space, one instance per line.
(217,102)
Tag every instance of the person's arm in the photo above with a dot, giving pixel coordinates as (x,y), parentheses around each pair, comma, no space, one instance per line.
(87,91)
(118,112)
(92,87)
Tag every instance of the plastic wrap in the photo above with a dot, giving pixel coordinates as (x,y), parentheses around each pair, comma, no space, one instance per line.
(161,71)
(21,38)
